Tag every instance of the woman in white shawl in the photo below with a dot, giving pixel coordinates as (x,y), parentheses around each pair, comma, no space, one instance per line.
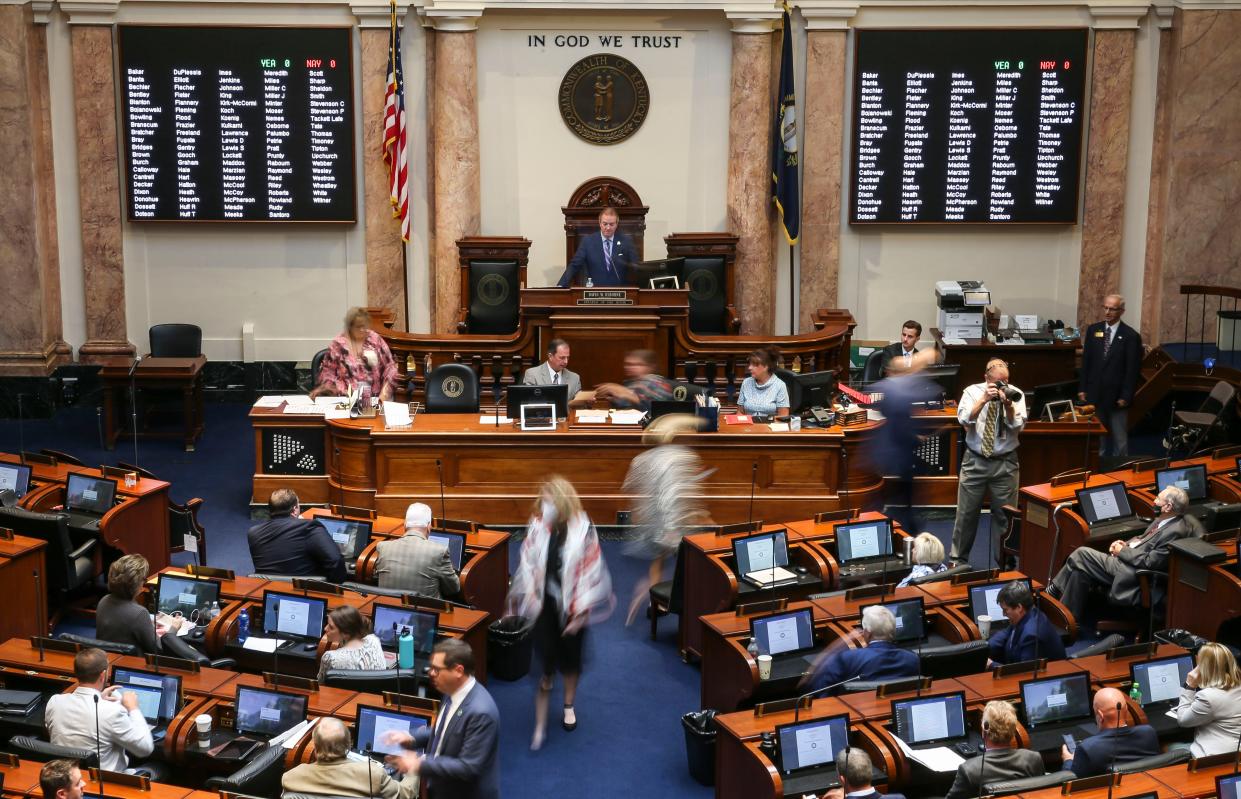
(561,585)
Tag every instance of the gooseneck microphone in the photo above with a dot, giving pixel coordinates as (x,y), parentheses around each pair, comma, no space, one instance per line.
(817,691)
(1111,767)
(98,749)
(38,611)
(133,404)
(982,769)
(439,471)
(753,482)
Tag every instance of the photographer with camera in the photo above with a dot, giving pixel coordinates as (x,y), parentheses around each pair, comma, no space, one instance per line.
(992,413)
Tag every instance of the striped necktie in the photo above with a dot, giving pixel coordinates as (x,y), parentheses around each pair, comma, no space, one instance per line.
(988,430)
(607,255)
(1107,341)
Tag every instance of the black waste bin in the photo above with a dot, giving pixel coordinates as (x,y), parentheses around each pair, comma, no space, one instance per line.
(508,648)
(700,730)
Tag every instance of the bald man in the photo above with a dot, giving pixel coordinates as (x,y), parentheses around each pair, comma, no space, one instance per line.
(333,774)
(1115,742)
(1111,357)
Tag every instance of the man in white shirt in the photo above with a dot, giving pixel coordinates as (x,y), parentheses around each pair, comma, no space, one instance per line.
(71,718)
(555,370)
(992,418)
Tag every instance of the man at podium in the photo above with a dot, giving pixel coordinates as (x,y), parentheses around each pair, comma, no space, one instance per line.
(605,257)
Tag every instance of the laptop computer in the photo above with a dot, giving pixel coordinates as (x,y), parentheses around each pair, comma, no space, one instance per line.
(1228,786)
(191,596)
(864,547)
(159,695)
(807,753)
(761,559)
(390,622)
(264,714)
(376,722)
(1057,706)
(15,477)
(351,535)
(1160,681)
(984,599)
(910,617)
(1193,481)
(788,638)
(932,721)
(455,543)
(1107,511)
(87,499)
(295,618)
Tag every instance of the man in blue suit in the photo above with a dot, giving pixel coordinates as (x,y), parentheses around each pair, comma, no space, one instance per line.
(1029,634)
(1111,358)
(879,659)
(459,757)
(1114,742)
(605,257)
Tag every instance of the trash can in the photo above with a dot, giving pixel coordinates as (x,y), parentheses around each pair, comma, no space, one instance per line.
(700,732)
(509,647)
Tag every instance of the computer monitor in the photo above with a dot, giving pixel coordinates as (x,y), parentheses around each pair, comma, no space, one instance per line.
(930,719)
(783,633)
(763,551)
(668,407)
(376,722)
(168,686)
(863,540)
(1190,479)
(816,390)
(537,395)
(351,535)
(269,713)
(293,615)
(985,598)
(1161,680)
(1054,700)
(1039,397)
(390,621)
(15,477)
(1228,786)
(809,744)
(944,375)
(910,618)
(641,273)
(89,494)
(1104,503)
(192,596)
(455,543)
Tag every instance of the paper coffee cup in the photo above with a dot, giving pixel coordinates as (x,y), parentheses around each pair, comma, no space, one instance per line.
(203,725)
(984,625)
(764,667)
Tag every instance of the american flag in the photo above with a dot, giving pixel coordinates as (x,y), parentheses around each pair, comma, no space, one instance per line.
(395,149)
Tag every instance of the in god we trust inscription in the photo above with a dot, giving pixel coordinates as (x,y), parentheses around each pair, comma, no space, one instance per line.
(604,99)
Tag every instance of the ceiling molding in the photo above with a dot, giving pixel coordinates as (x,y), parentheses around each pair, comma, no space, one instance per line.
(90,12)
(828,15)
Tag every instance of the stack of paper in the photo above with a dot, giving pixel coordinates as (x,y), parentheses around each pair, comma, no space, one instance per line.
(274,401)
(261,644)
(590,416)
(290,737)
(491,420)
(938,758)
(396,414)
(327,402)
(309,408)
(633,416)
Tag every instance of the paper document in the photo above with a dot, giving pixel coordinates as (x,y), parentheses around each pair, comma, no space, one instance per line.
(310,408)
(335,413)
(627,416)
(396,414)
(779,427)
(326,402)
(261,644)
(491,420)
(298,399)
(292,736)
(592,416)
(939,758)
(269,402)
(954,341)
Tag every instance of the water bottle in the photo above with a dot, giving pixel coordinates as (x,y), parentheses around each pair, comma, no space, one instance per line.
(590,284)
(752,648)
(1135,692)
(405,650)
(215,610)
(243,628)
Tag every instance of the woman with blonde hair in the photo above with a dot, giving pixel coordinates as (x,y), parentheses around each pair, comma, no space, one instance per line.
(1211,702)
(928,558)
(357,358)
(118,616)
(561,585)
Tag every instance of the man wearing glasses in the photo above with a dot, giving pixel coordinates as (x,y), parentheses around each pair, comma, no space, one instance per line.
(1111,356)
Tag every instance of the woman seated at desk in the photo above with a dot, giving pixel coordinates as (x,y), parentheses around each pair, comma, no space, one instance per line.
(357,357)
(928,558)
(1211,702)
(357,646)
(119,618)
(763,392)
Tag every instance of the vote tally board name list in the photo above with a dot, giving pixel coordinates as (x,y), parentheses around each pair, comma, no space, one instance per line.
(902,130)
(244,145)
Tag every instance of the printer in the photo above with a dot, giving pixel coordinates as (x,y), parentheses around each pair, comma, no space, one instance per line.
(961,306)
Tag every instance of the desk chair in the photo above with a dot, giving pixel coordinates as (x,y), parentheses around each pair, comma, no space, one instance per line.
(176,340)
(182,519)
(1010,544)
(872,369)
(316,363)
(42,751)
(946,574)
(259,777)
(374,681)
(1139,618)
(452,388)
(665,597)
(1169,758)
(62,457)
(1028,784)
(953,660)
(70,569)
(85,641)
(1210,412)
(1100,647)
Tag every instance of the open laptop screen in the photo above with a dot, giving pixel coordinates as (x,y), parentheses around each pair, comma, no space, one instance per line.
(391,620)
(15,477)
(268,712)
(909,617)
(292,614)
(455,543)
(783,633)
(187,595)
(762,551)
(861,540)
(1190,479)
(930,719)
(809,744)
(1228,787)
(984,599)
(89,494)
(351,535)
(375,722)
(1104,503)
(1161,680)
(169,686)
(149,701)
(1056,699)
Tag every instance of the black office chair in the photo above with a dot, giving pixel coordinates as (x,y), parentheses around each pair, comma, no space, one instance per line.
(296,795)
(41,751)
(872,370)
(705,277)
(793,385)
(1027,784)
(954,660)
(287,578)
(452,388)
(946,574)
(374,681)
(366,588)
(70,568)
(495,291)
(1211,411)
(682,391)
(130,650)
(1100,647)
(176,341)
(260,777)
(62,457)
(665,597)
(1169,758)
(316,363)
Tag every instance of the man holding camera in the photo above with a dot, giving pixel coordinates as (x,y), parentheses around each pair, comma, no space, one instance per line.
(992,413)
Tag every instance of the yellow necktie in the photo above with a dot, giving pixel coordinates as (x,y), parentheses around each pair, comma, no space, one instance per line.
(988,431)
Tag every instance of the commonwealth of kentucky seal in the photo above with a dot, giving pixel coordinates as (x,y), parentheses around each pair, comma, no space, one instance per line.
(604,99)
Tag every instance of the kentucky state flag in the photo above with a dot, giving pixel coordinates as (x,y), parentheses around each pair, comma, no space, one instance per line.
(784,142)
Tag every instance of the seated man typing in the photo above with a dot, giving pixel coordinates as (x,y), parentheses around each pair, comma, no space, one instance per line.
(1029,634)
(1114,742)
(879,659)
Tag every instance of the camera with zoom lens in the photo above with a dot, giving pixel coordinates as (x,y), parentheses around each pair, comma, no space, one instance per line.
(1008,391)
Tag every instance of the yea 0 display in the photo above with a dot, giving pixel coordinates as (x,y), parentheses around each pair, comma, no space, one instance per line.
(238,124)
(967,125)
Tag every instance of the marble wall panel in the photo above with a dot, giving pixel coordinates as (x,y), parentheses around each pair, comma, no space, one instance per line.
(821,175)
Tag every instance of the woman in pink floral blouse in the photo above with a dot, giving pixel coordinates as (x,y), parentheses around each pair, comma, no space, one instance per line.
(357,357)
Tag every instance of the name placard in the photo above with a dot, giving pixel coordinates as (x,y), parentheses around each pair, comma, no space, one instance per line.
(604,297)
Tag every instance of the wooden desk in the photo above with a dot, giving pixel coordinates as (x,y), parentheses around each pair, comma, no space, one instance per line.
(20,558)
(1129,785)
(1029,364)
(22,778)
(1188,784)
(1202,597)
(168,374)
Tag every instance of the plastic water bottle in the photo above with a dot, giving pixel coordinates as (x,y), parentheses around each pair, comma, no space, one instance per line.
(752,648)
(405,650)
(215,609)
(1135,692)
(243,629)
(590,284)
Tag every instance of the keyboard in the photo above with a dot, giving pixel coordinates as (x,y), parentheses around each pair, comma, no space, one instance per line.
(83,521)
(1118,527)
(817,780)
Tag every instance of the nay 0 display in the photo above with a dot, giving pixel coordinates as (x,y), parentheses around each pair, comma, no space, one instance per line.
(967,125)
(237,124)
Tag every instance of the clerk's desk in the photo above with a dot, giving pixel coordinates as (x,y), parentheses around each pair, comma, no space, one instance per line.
(484,563)
(1038,504)
(137,524)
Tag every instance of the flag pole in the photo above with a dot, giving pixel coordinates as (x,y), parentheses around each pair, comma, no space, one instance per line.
(792,292)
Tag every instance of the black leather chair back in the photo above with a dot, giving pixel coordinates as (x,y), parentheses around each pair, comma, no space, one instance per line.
(1006,787)
(1100,647)
(789,379)
(42,751)
(99,643)
(452,388)
(954,660)
(63,574)
(872,370)
(708,295)
(259,777)
(685,391)
(1169,758)
(946,574)
(494,296)
(316,363)
(374,681)
(176,341)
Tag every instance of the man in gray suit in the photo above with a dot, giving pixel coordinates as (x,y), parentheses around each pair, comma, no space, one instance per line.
(554,370)
(1004,760)
(412,563)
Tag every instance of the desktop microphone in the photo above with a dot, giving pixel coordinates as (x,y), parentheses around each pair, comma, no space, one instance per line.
(1111,767)
(38,611)
(370,785)
(817,691)
(133,404)
(883,578)
(439,470)
(98,749)
(1055,542)
(753,481)
(21,431)
(1236,757)
(982,769)
(155,629)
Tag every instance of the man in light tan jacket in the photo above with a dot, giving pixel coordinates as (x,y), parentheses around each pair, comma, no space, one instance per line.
(335,775)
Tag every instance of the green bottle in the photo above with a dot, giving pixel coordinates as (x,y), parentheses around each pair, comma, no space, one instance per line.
(1135,692)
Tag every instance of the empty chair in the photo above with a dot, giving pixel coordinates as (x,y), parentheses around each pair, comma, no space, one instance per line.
(176,340)
(70,569)
(1026,784)
(62,457)
(954,660)
(98,643)
(259,777)
(1211,411)
(452,388)
(41,751)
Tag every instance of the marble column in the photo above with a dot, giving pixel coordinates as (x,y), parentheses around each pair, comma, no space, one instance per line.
(1152,277)
(749,173)
(99,195)
(457,197)
(1107,152)
(30,329)
(385,251)
(823,144)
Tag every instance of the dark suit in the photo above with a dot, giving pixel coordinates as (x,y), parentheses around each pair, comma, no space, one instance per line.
(298,547)
(1087,567)
(1002,765)
(1032,637)
(876,795)
(891,352)
(1107,379)
(468,764)
(878,660)
(1096,754)
(589,256)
